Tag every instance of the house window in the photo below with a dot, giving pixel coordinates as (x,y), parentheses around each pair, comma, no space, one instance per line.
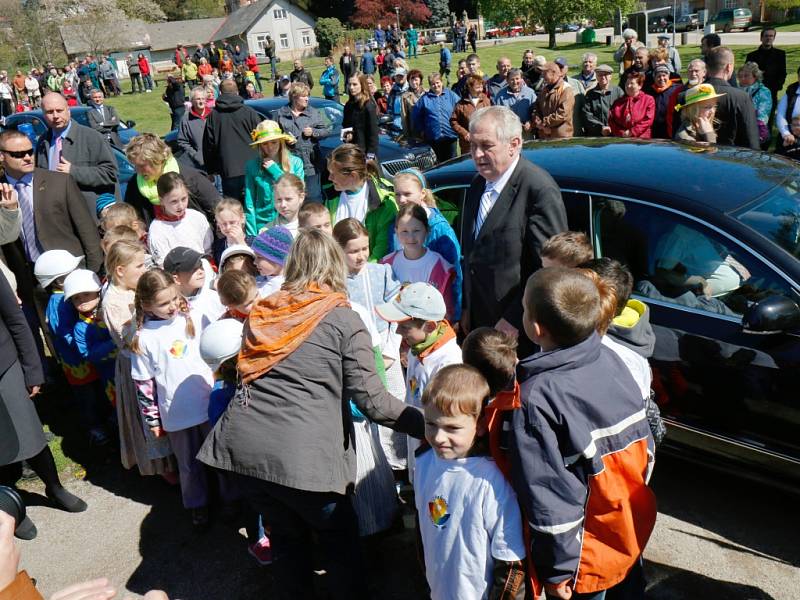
(284,41)
(262,43)
(279,13)
(306,34)
(732,3)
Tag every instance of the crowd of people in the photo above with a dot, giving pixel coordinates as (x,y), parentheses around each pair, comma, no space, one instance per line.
(303,356)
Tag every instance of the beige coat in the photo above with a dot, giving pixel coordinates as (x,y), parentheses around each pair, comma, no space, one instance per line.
(554,107)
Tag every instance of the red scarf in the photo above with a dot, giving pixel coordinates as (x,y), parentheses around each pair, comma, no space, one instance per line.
(162,216)
(206,112)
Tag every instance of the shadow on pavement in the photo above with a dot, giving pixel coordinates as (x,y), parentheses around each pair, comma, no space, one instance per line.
(670,583)
(749,514)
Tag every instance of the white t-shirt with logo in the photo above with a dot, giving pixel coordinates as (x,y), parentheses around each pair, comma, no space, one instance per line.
(183,379)
(206,307)
(468,518)
(192,231)
(414,271)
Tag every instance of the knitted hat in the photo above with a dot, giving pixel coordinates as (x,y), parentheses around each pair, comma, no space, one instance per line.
(273,244)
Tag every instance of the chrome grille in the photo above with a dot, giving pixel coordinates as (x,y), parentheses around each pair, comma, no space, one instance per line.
(420,161)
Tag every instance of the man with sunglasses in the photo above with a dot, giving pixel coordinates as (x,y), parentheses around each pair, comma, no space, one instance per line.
(71,148)
(53,214)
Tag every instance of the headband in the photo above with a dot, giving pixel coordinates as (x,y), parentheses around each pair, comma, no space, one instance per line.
(416,173)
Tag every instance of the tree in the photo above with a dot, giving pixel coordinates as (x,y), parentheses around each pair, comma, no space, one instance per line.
(146,10)
(97,23)
(177,10)
(328,31)
(369,13)
(784,5)
(440,13)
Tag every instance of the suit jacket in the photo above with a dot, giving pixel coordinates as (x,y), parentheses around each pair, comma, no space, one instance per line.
(63,222)
(107,123)
(94,167)
(498,263)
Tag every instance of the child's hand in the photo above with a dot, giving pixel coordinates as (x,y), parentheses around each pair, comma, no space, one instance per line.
(158,432)
(87,590)
(267,163)
(562,590)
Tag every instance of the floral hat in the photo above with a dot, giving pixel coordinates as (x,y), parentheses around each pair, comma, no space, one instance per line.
(267,130)
(699,93)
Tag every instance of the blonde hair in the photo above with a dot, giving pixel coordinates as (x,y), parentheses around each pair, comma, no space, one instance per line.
(151,284)
(120,254)
(148,148)
(315,259)
(308,209)
(298,88)
(292,181)
(119,213)
(117,234)
(284,155)
(427,194)
(231,204)
(457,390)
(350,159)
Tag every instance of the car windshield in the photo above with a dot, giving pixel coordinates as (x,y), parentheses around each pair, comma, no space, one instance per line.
(776,216)
(333,116)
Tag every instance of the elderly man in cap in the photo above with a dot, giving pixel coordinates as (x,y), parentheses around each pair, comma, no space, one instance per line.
(598,102)
(578,92)
(535,80)
(674,60)
(552,116)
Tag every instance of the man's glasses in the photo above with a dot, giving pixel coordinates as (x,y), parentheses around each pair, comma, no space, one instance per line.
(18,153)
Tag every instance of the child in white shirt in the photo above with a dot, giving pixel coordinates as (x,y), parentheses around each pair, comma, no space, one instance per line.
(189,272)
(176,224)
(419,312)
(271,248)
(469,518)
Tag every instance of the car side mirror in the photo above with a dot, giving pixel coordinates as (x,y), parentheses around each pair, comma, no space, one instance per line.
(773,314)
(130,124)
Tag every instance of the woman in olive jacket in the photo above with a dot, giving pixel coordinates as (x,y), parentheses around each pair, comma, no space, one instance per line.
(289,431)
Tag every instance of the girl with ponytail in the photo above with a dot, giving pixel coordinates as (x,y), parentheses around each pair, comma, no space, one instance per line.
(173,382)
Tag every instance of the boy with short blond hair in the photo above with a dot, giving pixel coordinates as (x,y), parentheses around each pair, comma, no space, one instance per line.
(581,448)
(315,216)
(469,518)
(567,249)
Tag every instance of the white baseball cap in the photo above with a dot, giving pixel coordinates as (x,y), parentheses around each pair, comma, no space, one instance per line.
(53,264)
(220,341)
(235,250)
(415,301)
(80,281)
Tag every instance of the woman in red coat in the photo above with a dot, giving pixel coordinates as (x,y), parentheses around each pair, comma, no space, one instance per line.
(633,114)
(144,69)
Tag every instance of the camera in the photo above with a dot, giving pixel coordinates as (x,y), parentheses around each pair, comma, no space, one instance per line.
(12,504)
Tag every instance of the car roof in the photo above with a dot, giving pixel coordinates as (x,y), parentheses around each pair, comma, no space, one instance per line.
(722,178)
(270,104)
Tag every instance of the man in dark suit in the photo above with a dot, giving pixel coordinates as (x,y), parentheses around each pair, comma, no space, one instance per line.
(54,214)
(511,209)
(71,148)
(735,110)
(104,118)
(772,61)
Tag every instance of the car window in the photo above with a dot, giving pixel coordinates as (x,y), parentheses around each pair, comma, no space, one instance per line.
(81,116)
(776,216)
(450,201)
(680,261)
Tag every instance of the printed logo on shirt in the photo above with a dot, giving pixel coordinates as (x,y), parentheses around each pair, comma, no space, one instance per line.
(413,386)
(437,509)
(178,349)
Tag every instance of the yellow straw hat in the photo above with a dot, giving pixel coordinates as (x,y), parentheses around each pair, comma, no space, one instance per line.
(698,93)
(267,130)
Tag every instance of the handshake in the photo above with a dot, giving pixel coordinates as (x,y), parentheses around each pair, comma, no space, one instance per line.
(16,584)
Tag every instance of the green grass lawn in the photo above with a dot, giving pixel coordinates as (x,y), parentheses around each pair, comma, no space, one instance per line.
(152,115)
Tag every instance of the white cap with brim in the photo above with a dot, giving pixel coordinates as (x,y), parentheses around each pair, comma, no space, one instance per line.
(53,264)
(80,281)
(235,250)
(415,301)
(220,341)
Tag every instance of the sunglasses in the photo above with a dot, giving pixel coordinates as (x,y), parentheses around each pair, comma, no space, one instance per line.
(18,153)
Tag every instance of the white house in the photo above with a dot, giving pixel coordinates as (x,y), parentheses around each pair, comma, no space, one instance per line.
(291,27)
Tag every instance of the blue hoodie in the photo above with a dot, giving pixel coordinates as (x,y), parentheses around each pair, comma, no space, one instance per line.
(329,80)
(432,113)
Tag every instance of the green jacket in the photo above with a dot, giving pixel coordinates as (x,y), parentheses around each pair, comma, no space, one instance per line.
(259,208)
(381,212)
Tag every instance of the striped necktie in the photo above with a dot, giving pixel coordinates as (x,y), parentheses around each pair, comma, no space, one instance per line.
(25,198)
(485,206)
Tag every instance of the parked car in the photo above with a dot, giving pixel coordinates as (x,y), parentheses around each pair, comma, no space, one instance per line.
(659,24)
(35,119)
(394,151)
(727,349)
(729,19)
(687,22)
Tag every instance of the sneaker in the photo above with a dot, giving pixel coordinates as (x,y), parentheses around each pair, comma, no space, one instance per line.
(261,551)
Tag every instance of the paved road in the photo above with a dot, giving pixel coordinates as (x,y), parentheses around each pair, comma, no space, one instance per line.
(717,538)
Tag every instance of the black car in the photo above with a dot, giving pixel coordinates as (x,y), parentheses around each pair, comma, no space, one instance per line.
(394,152)
(726,367)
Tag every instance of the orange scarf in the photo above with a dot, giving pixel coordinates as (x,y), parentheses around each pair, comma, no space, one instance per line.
(279,323)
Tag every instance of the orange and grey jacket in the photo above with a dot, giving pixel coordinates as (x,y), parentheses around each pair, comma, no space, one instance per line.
(581,456)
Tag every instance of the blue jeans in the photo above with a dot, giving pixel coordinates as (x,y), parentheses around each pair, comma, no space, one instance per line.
(272,63)
(294,516)
(314,188)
